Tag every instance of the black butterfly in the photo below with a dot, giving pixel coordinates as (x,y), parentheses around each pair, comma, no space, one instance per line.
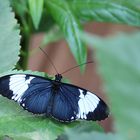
(64,102)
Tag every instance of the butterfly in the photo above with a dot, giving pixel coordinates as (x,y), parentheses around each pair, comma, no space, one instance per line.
(62,101)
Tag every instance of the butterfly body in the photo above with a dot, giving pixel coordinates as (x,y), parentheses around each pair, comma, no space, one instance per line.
(56,83)
(62,101)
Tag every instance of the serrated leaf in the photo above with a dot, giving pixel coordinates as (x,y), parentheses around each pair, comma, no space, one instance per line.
(120,11)
(9,37)
(36,9)
(119,66)
(24,125)
(70,26)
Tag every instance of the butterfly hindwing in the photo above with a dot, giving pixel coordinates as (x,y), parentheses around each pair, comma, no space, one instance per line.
(65,105)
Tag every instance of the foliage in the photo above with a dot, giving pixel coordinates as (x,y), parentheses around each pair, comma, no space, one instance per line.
(35,8)
(70,26)
(116,11)
(69,16)
(9,38)
(118,59)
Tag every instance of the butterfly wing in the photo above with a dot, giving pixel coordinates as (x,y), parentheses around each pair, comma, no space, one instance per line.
(65,105)
(74,102)
(31,92)
(91,107)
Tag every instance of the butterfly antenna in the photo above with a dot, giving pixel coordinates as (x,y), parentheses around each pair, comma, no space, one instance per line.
(49,59)
(77,66)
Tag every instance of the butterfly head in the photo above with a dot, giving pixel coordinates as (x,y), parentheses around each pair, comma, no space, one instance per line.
(58,77)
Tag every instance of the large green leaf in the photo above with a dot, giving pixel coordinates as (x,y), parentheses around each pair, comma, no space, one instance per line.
(24,125)
(119,66)
(72,135)
(21,123)
(9,37)
(36,8)
(70,26)
(116,11)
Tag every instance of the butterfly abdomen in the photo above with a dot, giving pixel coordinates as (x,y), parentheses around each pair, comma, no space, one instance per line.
(54,90)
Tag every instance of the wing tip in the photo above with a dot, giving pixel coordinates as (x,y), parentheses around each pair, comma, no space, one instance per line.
(100,113)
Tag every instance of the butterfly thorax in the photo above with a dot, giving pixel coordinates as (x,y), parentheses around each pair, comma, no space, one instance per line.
(57,82)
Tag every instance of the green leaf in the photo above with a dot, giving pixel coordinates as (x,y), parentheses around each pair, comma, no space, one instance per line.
(36,8)
(24,125)
(72,135)
(18,9)
(26,72)
(87,129)
(9,37)
(70,26)
(119,66)
(116,11)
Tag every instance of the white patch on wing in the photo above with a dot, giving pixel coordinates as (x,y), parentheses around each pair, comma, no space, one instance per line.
(23,105)
(72,118)
(87,103)
(18,84)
